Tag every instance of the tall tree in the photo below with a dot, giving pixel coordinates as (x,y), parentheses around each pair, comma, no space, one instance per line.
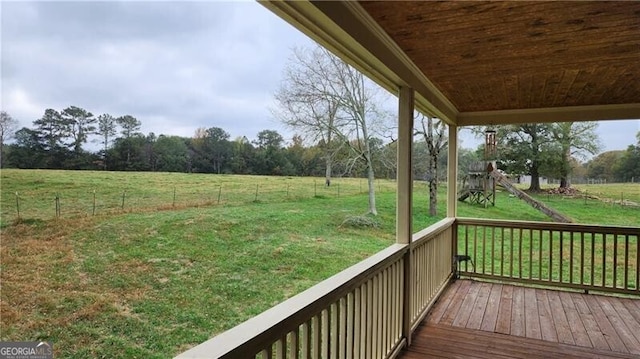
(212,150)
(526,149)
(78,124)
(241,153)
(573,139)
(170,154)
(150,157)
(197,145)
(219,147)
(269,138)
(51,131)
(629,166)
(130,128)
(327,96)
(305,161)
(270,157)
(303,105)
(132,154)
(433,132)
(7,127)
(359,115)
(28,151)
(604,165)
(129,124)
(50,128)
(106,130)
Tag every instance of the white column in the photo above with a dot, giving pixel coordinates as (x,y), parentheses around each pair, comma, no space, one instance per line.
(404,196)
(452,173)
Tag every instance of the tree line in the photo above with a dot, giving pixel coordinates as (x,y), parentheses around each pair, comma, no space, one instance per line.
(58,140)
(341,131)
(616,166)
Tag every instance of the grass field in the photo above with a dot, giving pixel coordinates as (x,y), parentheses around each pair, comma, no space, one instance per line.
(156,278)
(34,191)
(613,191)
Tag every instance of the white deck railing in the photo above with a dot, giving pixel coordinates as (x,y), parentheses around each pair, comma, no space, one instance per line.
(587,257)
(366,311)
(431,252)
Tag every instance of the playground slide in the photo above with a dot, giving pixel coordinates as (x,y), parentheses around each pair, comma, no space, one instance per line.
(504,182)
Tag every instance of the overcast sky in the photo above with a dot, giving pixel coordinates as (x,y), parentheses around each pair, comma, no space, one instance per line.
(176,66)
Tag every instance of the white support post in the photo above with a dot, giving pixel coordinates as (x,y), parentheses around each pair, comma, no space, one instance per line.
(404,196)
(404,201)
(452,173)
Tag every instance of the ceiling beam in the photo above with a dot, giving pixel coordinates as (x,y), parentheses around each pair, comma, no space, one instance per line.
(304,16)
(554,114)
(347,30)
(357,22)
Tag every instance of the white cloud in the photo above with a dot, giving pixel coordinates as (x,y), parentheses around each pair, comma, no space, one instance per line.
(21,107)
(176,66)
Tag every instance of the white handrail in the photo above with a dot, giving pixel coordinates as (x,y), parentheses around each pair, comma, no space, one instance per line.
(248,338)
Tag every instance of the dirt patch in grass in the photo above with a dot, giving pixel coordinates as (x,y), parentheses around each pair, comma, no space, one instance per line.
(571,191)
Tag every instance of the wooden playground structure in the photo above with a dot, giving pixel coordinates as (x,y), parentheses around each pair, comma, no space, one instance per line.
(479,186)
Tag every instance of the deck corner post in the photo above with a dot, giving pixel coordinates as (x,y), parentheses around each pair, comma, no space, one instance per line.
(404,196)
(405,200)
(454,248)
(452,172)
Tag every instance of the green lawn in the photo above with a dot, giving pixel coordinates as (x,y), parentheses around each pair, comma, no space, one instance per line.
(153,280)
(591,259)
(593,211)
(34,191)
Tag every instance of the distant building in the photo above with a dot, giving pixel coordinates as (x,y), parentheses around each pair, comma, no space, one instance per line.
(526,179)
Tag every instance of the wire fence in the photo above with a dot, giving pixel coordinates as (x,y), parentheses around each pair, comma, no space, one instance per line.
(615,194)
(622,200)
(71,203)
(26,198)
(588,180)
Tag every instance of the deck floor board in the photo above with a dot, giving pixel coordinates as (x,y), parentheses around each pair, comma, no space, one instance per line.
(476,319)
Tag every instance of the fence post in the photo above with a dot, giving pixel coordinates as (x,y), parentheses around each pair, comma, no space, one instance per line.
(57,201)
(18,204)
(124,195)
(94,203)
(219,193)
(174,196)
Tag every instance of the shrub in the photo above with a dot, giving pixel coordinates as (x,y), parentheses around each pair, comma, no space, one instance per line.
(360,222)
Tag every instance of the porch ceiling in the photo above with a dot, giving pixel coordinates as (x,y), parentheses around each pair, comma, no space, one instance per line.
(489,62)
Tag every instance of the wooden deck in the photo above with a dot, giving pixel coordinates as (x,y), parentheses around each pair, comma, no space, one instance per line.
(487,320)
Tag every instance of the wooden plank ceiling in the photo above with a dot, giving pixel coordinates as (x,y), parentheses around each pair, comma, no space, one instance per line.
(486,56)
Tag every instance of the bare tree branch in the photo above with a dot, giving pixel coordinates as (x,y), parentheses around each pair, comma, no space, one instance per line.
(333,104)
